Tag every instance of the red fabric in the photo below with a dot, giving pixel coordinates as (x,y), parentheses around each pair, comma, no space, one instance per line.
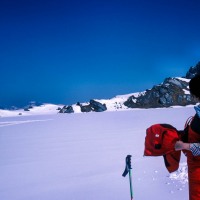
(193,178)
(172,161)
(193,168)
(166,140)
(160,140)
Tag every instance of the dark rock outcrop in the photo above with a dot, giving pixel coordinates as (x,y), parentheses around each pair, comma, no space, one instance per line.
(66,109)
(26,109)
(171,92)
(86,108)
(31,105)
(97,107)
(93,106)
(193,71)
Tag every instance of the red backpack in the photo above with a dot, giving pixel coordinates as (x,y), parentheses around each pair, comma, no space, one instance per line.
(159,141)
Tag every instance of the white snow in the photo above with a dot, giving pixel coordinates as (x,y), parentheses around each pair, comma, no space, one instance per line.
(37,110)
(181,174)
(113,104)
(82,156)
(186,91)
(184,79)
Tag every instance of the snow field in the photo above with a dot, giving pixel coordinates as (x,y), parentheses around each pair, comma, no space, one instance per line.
(82,156)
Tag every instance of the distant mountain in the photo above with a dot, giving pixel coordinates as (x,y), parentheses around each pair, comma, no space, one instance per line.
(172,92)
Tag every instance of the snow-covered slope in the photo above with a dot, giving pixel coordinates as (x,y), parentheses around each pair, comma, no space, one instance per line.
(113,104)
(82,156)
(37,110)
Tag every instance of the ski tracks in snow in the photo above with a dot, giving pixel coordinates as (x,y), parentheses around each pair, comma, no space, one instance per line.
(11,123)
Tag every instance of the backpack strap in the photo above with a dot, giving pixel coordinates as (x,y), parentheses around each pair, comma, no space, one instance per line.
(184,133)
(188,121)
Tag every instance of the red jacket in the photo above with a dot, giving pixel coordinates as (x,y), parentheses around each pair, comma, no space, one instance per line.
(193,128)
(160,141)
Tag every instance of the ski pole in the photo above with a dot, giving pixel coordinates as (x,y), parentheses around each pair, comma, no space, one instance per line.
(128,171)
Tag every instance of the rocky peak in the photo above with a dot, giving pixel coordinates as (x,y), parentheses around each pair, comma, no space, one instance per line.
(193,71)
(172,92)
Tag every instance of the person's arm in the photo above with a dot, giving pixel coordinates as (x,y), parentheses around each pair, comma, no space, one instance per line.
(182,146)
(193,147)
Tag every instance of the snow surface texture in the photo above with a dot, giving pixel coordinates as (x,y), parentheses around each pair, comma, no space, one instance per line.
(82,156)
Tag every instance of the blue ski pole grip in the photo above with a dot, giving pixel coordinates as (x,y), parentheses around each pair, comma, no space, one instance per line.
(128,165)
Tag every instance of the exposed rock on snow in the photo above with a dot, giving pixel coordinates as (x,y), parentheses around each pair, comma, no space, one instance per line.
(93,106)
(172,92)
(66,109)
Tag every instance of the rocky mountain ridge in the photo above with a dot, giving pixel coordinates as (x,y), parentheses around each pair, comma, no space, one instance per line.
(172,92)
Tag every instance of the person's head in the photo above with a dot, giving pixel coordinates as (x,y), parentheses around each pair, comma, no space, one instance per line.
(194,86)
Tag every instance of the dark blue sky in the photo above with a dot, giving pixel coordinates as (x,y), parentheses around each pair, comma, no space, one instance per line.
(68,51)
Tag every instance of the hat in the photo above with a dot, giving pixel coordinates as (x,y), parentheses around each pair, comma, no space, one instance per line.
(194,86)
